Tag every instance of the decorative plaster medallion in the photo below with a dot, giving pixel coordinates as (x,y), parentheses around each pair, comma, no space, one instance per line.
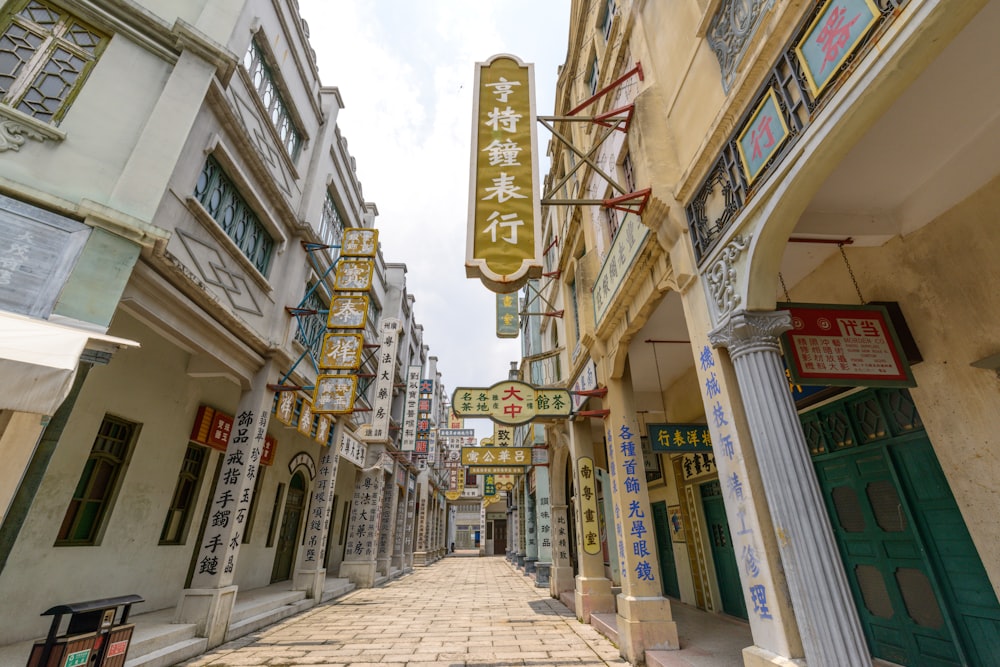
(721,277)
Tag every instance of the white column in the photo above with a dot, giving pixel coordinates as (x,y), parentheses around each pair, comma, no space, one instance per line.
(828,621)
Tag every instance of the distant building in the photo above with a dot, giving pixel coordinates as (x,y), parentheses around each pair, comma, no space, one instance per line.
(176,206)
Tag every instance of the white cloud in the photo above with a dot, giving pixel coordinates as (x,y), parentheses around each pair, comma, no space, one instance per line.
(405,73)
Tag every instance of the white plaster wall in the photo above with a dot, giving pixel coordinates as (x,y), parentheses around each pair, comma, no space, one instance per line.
(945,277)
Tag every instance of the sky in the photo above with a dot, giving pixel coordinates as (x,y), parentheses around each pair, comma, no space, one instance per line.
(405,73)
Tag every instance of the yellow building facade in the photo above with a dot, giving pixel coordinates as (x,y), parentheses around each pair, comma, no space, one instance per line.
(713,162)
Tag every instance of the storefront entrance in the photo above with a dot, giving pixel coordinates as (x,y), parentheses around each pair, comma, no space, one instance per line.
(920,588)
(723,553)
(665,551)
(284,555)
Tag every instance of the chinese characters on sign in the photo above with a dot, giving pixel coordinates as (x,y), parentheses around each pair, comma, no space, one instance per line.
(631,510)
(763,135)
(847,346)
(511,402)
(508,319)
(679,437)
(503,248)
(587,481)
(624,249)
(837,30)
(388,344)
(410,409)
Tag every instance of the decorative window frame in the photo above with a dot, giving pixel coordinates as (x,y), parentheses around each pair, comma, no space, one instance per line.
(260,48)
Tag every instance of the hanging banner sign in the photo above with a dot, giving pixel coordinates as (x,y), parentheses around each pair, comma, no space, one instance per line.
(511,402)
(503,247)
(586,480)
(410,413)
(857,346)
(679,438)
(359,242)
(508,319)
(382,403)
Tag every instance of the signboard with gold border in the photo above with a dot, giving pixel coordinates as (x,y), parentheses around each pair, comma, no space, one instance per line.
(762,136)
(334,394)
(503,246)
(284,409)
(323,423)
(832,36)
(587,485)
(359,242)
(348,312)
(496,456)
(305,419)
(341,351)
(354,275)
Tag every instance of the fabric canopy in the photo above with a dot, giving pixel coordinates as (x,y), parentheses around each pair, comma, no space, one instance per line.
(38,361)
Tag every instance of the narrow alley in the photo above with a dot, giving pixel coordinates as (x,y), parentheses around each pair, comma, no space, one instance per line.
(462,611)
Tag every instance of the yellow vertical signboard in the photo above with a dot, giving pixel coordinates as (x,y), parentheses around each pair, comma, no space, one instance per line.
(503,247)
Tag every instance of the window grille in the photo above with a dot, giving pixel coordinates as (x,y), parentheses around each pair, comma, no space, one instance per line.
(218,194)
(332,226)
(45,55)
(263,80)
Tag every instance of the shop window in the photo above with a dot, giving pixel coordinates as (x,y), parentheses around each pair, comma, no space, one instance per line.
(223,201)
(179,513)
(95,493)
(46,54)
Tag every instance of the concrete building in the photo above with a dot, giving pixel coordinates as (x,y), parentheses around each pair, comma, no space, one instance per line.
(732,158)
(177,212)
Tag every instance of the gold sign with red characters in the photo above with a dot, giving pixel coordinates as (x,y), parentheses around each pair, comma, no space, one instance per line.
(503,247)
(511,402)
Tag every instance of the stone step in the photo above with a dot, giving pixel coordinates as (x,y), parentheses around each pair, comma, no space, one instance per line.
(271,615)
(168,655)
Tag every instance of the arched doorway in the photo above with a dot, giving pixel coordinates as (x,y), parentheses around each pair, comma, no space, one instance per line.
(284,556)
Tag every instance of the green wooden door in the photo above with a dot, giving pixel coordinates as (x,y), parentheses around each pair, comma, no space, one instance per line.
(723,552)
(284,555)
(665,551)
(921,591)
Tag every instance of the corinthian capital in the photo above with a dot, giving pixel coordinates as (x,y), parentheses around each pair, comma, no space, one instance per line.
(745,331)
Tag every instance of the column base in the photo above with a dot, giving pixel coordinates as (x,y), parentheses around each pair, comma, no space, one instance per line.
(645,624)
(593,596)
(421,558)
(542,572)
(529,565)
(755,656)
(562,580)
(361,574)
(310,581)
(210,609)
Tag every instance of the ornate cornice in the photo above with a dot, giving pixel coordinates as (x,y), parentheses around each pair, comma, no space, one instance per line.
(16,128)
(745,331)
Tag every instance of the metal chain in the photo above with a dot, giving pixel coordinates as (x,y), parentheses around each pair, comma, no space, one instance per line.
(784,289)
(854,280)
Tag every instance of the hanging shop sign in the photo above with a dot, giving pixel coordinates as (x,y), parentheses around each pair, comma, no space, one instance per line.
(511,402)
(508,319)
(503,435)
(410,409)
(359,242)
(305,426)
(679,437)
(381,404)
(694,466)
(341,351)
(501,472)
(347,312)
(624,249)
(353,449)
(212,428)
(503,246)
(496,455)
(830,344)
(589,518)
(334,394)
(353,275)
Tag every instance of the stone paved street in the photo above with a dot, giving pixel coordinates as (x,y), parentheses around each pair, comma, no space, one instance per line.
(458,611)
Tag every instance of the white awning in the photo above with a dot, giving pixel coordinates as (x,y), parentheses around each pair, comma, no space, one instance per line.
(38,361)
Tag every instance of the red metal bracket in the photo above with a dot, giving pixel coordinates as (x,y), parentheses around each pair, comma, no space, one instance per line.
(592,413)
(554,243)
(608,88)
(599,393)
(284,387)
(632,202)
(552,274)
(615,114)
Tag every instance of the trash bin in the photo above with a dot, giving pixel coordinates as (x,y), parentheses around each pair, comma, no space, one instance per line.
(92,638)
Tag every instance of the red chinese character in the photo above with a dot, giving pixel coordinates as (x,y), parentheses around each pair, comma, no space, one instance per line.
(834,35)
(762,131)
